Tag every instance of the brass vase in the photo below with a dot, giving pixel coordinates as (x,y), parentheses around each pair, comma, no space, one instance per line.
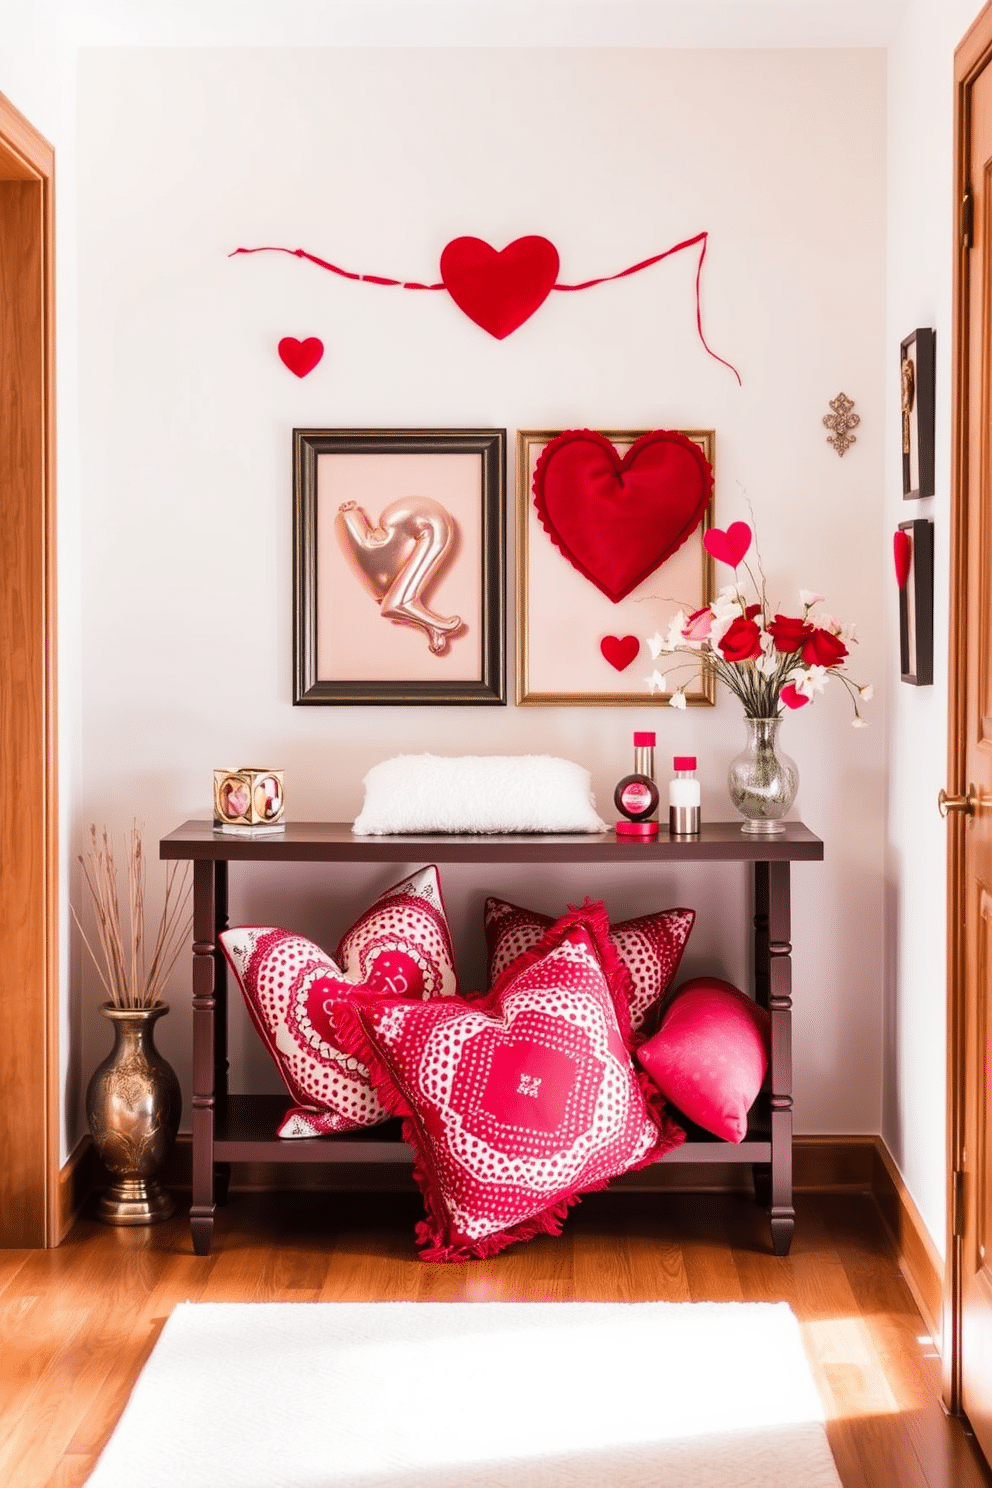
(133,1105)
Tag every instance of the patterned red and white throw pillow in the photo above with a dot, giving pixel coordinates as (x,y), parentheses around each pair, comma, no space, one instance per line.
(401,946)
(651,948)
(519,1102)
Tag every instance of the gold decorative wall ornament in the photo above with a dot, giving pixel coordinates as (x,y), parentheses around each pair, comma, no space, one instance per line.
(842,421)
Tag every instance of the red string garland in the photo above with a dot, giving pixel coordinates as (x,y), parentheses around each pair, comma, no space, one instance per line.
(700,240)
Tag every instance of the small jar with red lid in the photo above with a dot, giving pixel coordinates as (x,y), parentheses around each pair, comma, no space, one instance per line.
(684,798)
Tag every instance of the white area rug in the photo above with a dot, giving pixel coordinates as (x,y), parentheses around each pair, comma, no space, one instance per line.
(473,1395)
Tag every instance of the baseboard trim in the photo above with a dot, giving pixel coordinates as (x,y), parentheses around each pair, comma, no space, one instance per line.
(78,1177)
(919,1260)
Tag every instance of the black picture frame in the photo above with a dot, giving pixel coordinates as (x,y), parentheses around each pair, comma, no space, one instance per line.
(917,374)
(335,605)
(916,606)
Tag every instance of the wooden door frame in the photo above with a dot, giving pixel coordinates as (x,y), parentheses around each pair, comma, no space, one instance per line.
(972,55)
(29,866)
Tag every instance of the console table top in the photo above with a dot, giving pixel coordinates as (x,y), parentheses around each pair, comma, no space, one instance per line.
(330,842)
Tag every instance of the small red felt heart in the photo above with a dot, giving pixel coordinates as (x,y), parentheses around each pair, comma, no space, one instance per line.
(616,520)
(620,650)
(730,546)
(499,291)
(300,356)
(902,551)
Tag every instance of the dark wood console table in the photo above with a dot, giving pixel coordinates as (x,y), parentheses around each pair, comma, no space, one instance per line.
(231,1128)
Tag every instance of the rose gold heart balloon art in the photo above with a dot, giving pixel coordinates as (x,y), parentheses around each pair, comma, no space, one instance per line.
(399,558)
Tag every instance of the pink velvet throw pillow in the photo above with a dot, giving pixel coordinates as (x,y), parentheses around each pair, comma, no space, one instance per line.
(518,1102)
(400,946)
(710,1055)
(650,947)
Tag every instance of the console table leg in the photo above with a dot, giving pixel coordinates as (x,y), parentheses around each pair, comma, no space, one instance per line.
(204,1007)
(783,1215)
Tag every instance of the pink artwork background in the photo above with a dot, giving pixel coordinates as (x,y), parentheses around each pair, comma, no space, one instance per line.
(354,642)
(567,616)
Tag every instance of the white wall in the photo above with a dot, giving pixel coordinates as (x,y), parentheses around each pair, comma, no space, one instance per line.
(919,273)
(376,159)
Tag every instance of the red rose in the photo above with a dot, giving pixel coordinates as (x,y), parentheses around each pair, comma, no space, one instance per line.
(741,641)
(824,649)
(789,633)
(791,698)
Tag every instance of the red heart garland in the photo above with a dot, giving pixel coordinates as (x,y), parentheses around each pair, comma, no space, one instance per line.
(730,546)
(499,291)
(617,520)
(620,651)
(300,356)
(902,552)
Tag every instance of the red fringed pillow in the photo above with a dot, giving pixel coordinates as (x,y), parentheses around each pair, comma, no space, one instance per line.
(650,947)
(710,1055)
(400,946)
(516,1104)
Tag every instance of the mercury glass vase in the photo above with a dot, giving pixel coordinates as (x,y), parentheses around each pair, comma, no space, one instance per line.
(761,779)
(133,1105)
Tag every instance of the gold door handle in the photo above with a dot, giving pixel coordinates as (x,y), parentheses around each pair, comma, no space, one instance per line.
(967,803)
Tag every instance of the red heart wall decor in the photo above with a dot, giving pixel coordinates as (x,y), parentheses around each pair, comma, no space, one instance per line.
(300,356)
(617,520)
(499,291)
(730,546)
(902,552)
(620,651)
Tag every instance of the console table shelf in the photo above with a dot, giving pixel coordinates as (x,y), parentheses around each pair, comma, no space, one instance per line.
(241,1128)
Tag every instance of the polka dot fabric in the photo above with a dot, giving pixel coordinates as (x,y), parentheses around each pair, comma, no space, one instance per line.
(651,948)
(400,947)
(517,1103)
(710,1055)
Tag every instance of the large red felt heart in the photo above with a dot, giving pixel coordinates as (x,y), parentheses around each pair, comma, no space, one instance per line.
(616,520)
(620,650)
(730,546)
(300,356)
(499,291)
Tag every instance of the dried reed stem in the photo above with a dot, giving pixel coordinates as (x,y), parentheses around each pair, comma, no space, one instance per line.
(131,976)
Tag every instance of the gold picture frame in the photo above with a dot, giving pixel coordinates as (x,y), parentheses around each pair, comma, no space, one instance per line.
(561,617)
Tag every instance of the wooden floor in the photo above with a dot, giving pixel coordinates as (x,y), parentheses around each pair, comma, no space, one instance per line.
(77,1323)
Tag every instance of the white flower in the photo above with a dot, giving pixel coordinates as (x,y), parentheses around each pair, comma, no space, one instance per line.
(866,692)
(767,665)
(673,640)
(858,722)
(808,680)
(657,682)
(809,597)
(726,606)
(656,644)
(678,699)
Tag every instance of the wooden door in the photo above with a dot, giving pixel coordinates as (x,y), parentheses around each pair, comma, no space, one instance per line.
(968,1358)
(29,1062)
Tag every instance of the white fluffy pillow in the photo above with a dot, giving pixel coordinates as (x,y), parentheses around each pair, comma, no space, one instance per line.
(477,793)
